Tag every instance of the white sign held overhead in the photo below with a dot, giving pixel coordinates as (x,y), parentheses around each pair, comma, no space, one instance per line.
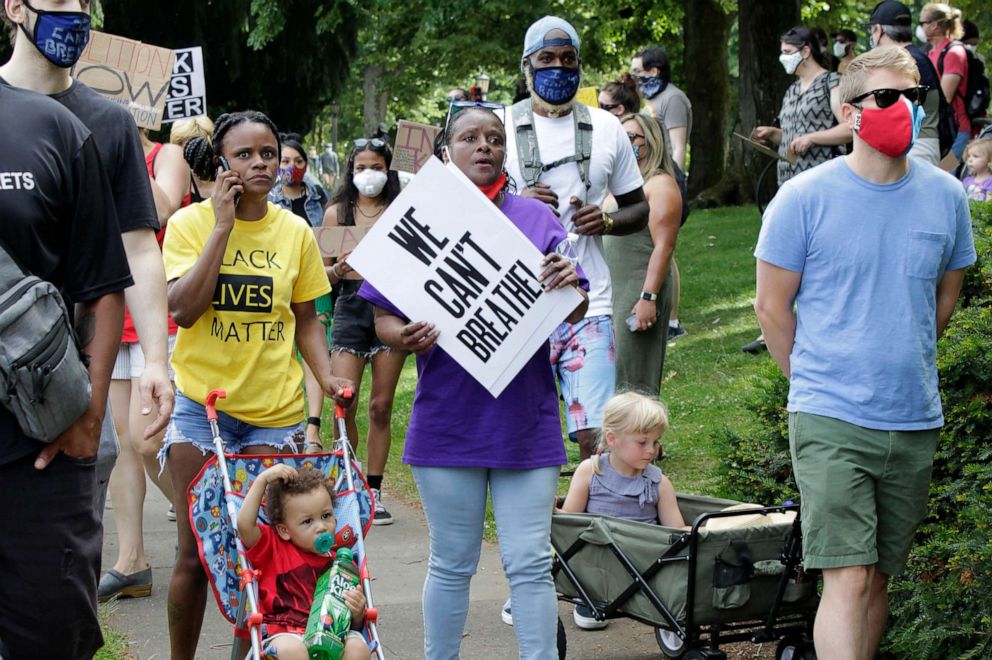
(187,89)
(445,254)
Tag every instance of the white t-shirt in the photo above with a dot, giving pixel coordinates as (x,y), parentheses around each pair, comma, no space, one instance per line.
(613,170)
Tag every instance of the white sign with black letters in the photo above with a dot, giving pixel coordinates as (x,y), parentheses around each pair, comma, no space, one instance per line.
(443,253)
(187,90)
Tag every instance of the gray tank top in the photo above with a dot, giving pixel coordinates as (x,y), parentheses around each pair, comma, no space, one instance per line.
(632,498)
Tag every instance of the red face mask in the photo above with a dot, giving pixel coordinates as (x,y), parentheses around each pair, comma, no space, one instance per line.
(891,130)
(494,188)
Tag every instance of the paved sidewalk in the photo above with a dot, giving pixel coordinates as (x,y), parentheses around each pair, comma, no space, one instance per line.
(398,562)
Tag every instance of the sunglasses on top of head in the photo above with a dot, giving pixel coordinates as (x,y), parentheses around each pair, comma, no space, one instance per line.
(376,144)
(456,106)
(886,97)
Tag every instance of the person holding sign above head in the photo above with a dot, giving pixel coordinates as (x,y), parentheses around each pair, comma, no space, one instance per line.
(369,186)
(462,442)
(243,275)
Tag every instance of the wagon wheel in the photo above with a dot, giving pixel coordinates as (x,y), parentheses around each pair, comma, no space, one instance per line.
(795,648)
(670,644)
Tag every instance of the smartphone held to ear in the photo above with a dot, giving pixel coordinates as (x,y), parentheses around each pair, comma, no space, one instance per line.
(225,166)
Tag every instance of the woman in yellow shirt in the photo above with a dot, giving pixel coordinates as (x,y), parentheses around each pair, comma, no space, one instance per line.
(243,275)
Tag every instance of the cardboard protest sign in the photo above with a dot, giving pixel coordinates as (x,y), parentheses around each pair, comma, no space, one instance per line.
(414,145)
(589,96)
(335,241)
(444,253)
(130,73)
(187,88)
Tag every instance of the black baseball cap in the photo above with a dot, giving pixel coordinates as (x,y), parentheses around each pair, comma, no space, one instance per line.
(891,12)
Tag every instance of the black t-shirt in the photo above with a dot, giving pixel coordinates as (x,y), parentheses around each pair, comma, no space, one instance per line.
(119,144)
(56,213)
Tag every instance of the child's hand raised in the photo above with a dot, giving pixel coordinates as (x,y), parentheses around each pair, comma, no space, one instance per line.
(355,600)
(278,472)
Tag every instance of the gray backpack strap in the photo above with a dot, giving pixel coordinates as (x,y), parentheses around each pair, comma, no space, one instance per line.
(528,153)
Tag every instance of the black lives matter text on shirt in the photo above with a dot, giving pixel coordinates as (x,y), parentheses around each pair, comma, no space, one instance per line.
(250,294)
(58,222)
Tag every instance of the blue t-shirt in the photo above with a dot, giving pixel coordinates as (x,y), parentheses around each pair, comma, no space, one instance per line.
(871,256)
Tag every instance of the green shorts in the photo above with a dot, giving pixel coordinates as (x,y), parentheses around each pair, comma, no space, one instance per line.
(863,491)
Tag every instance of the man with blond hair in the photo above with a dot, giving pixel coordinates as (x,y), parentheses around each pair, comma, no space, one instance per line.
(869,250)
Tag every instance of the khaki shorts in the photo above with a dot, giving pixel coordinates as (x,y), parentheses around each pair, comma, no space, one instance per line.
(864,491)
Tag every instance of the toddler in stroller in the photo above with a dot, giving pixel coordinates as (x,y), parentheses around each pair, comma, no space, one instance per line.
(300,508)
(622,481)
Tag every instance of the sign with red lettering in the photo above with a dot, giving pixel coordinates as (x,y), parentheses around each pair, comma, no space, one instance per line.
(414,145)
(444,253)
(128,72)
(335,241)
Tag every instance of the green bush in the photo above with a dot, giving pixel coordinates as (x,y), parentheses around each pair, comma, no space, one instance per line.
(942,604)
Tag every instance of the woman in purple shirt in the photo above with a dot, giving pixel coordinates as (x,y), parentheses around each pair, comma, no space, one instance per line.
(462,442)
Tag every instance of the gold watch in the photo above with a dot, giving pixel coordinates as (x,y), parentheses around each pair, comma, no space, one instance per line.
(607,223)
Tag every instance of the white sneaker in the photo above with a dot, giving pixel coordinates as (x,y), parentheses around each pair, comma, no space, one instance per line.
(506,614)
(382,517)
(584,619)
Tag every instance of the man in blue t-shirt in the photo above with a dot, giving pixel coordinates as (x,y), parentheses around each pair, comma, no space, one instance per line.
(860,262)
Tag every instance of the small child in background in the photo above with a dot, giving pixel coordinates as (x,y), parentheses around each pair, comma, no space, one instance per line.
(300,507)
(978,184)
(622,481)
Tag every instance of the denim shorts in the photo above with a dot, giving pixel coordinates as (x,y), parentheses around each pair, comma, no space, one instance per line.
(354,323)
(189,425)
(584,357)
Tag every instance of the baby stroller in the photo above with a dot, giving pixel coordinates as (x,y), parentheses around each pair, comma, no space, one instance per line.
(697,588)
(215,497)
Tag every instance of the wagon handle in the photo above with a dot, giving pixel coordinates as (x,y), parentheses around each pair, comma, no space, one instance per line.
(338,408)
(211,403)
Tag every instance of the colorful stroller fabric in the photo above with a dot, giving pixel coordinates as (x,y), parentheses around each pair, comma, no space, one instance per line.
(215,537)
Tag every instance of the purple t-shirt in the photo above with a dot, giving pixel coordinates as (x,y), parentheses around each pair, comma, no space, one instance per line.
(980,191)
(455,421)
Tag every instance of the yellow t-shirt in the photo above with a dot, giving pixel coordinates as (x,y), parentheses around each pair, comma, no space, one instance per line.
(243,342)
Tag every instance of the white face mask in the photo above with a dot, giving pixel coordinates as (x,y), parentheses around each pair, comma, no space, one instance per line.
(840,49)
(370,182)
(791,61)
(921,34)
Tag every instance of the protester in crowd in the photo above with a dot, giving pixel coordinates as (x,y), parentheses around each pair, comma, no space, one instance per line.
(820,36)
(462,442)
(131,575)
(301,194)
(620,97)
(456,94)
(369,187)
(59,223)
(329,167)
(844,48)
(809,131)
(641,265)
(184,130)
(940,26)
(891,24)
(978,183)
(860,352)
(587,159)
(44,52)
(664,100)
(970,35)
(243,275)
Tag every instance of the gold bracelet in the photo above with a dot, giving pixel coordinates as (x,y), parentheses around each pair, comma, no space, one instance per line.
(607,223)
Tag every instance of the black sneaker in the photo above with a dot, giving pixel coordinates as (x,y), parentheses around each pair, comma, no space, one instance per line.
(382,517)
(676,331)
(755,347)
(584,619)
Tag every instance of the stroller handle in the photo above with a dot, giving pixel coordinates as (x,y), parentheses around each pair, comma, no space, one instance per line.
(211,403)
(338,408)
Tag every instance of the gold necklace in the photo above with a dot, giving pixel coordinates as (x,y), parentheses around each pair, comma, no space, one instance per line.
(374,214)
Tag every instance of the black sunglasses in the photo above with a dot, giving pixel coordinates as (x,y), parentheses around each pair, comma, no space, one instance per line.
(497,109)
(376,143)
(886,97)
(609,107)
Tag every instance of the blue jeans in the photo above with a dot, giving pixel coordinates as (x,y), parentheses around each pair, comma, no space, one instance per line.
(960,142)
(454,500)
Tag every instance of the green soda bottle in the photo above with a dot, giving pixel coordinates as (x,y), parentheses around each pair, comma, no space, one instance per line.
(330,618)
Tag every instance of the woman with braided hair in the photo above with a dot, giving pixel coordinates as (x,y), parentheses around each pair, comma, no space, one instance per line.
(243,275)
(193,137)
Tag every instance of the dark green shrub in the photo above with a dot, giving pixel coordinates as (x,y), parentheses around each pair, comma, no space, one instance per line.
(942,604)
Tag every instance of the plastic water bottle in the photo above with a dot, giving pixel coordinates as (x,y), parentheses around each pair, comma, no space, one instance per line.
(330,618)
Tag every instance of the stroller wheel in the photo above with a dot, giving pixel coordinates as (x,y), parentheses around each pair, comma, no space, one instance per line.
(670,643)
(562,640)
(795,648)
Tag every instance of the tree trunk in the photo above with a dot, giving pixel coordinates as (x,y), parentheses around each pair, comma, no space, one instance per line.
(374,98)
(707,75)
(761,85)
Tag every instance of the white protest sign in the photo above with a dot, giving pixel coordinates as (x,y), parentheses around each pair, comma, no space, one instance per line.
(187,88)
(133,74)
(444,253)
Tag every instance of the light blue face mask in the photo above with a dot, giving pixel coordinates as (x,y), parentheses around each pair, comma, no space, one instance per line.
(637,151)
(60,36)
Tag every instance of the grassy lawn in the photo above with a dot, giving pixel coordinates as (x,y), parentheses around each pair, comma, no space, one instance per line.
(705,372)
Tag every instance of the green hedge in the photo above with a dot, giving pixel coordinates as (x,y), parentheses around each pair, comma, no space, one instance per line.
(942,604)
